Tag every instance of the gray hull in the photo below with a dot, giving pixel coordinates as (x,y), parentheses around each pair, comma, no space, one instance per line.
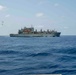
(36,35)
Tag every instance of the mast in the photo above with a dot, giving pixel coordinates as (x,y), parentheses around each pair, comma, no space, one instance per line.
(2,22)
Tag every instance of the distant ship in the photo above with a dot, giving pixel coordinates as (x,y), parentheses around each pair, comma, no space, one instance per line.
(30,32)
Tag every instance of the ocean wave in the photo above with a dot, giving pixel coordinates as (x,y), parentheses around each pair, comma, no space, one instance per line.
(65,72)
(8,52)
(39,54)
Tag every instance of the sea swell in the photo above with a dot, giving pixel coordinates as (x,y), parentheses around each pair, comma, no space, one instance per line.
(19,56)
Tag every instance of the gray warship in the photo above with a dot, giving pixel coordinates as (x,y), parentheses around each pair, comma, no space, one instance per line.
(30,32)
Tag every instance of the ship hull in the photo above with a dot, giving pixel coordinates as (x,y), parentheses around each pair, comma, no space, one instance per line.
(36,35)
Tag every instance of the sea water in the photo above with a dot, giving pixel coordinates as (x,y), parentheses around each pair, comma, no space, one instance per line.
(37,55)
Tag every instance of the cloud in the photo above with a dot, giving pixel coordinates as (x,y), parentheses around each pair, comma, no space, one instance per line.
(65,27)
(56,4)
(2,7)
(39,26)
(42,2)
(7,16)
(39,14)
(62,16)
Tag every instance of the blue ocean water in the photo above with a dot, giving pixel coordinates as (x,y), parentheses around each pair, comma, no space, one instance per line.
(38,55)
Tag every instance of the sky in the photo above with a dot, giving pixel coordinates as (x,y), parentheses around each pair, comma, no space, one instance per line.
(59,15)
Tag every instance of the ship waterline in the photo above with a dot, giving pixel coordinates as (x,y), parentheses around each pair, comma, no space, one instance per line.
(29,32)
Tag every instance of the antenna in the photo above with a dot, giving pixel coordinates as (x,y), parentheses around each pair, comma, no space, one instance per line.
(31,25)
(2,22)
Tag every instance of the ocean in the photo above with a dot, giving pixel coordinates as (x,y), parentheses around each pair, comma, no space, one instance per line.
(37,55)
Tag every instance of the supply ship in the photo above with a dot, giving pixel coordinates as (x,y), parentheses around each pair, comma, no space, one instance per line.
(30,32)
